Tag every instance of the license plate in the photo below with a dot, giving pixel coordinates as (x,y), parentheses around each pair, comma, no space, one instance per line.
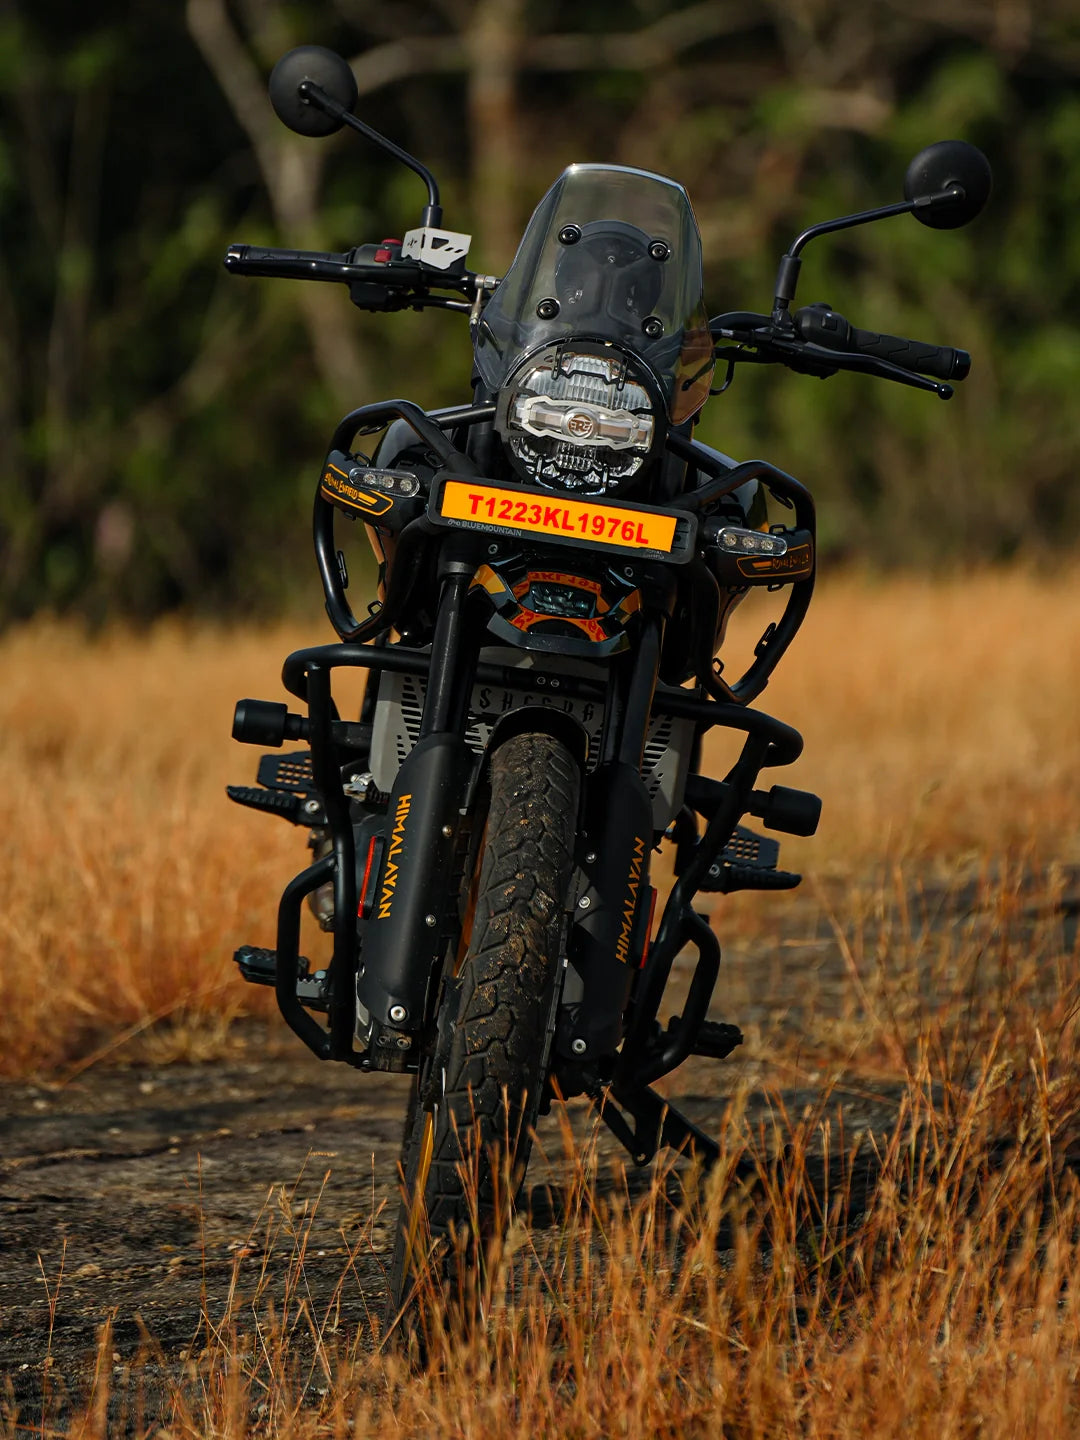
(634,529)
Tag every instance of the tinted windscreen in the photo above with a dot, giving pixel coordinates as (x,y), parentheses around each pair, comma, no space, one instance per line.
(611,254)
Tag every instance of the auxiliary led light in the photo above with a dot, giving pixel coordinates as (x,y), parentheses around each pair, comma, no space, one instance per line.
(396,482)
(737,541)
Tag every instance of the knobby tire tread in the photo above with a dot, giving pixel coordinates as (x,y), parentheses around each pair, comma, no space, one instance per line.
(506,982)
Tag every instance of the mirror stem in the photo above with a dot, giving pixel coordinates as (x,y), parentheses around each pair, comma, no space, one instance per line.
(787,277)
(315,95)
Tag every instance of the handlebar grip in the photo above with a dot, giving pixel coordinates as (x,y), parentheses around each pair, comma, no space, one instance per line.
(823,326)
(942,361)
(286,264)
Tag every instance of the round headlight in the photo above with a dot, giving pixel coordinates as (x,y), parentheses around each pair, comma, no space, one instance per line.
(578,417)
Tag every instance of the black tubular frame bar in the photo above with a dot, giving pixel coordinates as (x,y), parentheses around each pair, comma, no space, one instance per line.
(339,868)
(326,772)
(785,744)
(643,1059)
(288,957)
(723,481)
(429,429)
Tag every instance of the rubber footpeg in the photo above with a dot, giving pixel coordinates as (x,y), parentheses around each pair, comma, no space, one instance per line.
(716,1039)
(748,862)
(259,966)
(291,807)
(725,879)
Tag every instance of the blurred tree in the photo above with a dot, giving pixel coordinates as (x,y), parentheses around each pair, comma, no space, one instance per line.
(159,421)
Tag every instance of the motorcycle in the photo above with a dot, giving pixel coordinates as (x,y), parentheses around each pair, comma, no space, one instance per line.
(559,559)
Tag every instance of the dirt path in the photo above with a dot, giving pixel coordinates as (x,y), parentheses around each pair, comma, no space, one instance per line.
(133,1193)
(146,1183)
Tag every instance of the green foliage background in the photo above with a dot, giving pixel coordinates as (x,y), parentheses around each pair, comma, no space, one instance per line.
(161,423)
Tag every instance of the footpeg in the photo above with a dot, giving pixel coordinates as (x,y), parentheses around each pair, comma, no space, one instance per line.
(288,789)
(293,808)
(259,966)
(748,862)
(716,1039)
(726,879)
(291,771)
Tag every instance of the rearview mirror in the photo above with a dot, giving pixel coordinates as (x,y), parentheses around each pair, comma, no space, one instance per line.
(948,165)
(321,67)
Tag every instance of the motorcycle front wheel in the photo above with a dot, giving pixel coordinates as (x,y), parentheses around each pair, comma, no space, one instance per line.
(467,1136)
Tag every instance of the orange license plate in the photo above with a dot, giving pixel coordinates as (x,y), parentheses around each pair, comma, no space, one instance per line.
(558,517)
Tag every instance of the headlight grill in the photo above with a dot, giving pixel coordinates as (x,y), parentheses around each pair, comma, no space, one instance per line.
(575,419)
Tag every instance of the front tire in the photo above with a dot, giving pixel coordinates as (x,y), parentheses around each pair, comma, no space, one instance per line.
(467,1139)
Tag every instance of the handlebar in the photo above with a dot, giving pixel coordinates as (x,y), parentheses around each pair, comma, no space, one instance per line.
(822,326)
(323,265)
(377,277)
(817,341)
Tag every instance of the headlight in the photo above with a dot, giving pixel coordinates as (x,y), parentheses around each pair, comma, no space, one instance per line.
(578,417)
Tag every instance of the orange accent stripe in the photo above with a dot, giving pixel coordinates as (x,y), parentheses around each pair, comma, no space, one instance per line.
(367,877)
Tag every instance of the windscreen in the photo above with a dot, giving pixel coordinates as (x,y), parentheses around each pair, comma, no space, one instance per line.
(610,254)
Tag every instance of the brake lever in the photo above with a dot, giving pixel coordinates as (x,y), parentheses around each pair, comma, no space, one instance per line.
(772,344)
(819,359)
(864,364)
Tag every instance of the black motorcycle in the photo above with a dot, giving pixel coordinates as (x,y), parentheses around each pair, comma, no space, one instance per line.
(558,562)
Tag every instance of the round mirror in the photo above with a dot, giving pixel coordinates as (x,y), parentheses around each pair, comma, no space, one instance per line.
(940,167)
(325,69)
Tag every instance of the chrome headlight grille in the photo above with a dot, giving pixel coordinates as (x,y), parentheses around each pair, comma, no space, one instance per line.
(574,419)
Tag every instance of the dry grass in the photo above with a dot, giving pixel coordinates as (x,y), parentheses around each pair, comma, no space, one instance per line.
(916,1282)
(921,1287)
(939,721)
(940,730)
(128,877)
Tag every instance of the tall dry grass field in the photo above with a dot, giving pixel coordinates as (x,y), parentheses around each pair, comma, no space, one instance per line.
(940,718)
(919,1280)
(941,730)
(126,874)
